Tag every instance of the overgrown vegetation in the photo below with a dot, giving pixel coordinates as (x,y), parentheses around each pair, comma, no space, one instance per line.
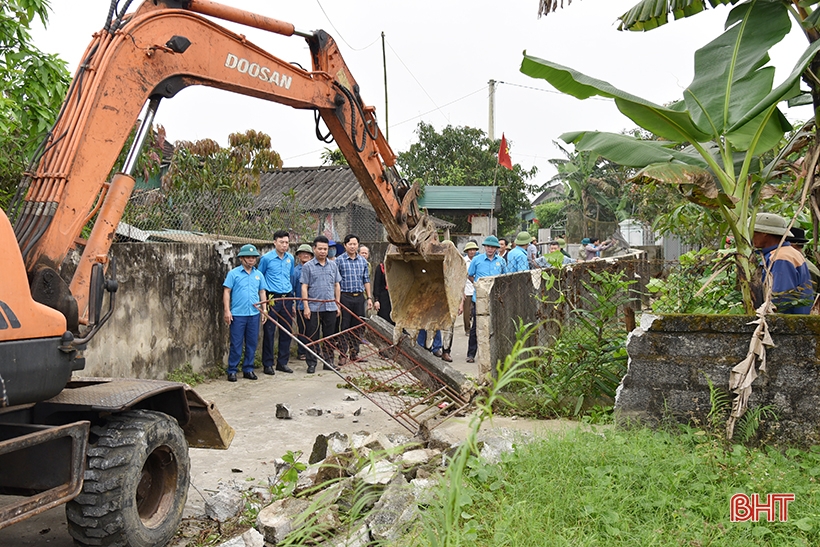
(702,281)
(584,364)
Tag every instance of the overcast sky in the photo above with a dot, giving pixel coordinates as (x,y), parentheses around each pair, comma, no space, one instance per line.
(440,56)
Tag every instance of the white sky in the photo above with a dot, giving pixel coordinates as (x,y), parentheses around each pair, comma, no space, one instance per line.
(440,56)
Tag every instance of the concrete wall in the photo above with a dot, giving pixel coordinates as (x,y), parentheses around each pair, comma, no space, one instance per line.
(504,300)
(167,313)
(670,358)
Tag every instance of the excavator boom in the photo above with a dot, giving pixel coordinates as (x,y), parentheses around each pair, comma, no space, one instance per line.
(153,53)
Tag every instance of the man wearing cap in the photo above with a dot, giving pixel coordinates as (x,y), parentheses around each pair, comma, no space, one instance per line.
(485,264)
(517,259)
(303,254)
(277,267)
(470,250)
(320,284)
(791,282)
(532,251)
(243,287)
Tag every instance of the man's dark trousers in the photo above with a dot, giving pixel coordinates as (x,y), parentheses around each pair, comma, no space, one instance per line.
(356,303)
(320,325)
(282,313)
(472,342)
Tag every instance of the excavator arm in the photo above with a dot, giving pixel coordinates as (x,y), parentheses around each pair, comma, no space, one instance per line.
(153,53)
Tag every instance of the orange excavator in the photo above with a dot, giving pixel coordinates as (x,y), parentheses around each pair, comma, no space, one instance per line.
(116,450)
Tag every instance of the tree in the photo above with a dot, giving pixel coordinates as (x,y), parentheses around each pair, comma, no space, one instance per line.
(465,156)
(728,117)
(333,157)
(32,87)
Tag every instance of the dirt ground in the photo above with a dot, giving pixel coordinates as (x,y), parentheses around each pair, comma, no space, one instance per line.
(249,406)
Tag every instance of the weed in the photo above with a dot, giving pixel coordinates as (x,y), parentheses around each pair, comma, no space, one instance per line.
(186,375)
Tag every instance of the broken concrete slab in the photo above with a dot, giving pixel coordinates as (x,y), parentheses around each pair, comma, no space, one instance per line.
(280,518)
(394,513)
(224,505)
(283,411)
(250,538)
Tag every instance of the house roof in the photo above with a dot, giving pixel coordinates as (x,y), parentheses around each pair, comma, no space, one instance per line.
(460,198)
(324,188)
(552,193)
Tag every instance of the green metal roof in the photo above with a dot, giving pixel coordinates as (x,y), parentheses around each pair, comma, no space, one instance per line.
(465,198)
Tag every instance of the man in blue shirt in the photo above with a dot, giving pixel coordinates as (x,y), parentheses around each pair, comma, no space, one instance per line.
(320,293)
(244,286)
(483,265)
(517,260)
(356,297)
(791,281)
(277,267)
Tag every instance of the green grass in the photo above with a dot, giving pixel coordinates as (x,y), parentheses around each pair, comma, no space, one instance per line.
(636,488)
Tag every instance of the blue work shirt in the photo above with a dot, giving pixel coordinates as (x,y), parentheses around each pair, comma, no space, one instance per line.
(245,289)
(277,271)
(481,266)
(517,261)
(354,273)
(791,281)
(321,281)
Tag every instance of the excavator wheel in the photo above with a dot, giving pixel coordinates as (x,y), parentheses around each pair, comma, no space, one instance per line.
(136,482)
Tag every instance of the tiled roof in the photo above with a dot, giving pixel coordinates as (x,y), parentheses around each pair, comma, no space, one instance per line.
(325,188)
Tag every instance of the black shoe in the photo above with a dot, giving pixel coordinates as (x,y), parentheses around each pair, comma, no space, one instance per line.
(284,368)
(311,369)
(250,375)
(438,353)
(327,367)
(232,377)
(269,371)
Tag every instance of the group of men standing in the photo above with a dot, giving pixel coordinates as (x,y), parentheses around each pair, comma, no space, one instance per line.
(315,282)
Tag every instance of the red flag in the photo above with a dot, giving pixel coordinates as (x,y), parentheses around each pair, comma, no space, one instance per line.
(504,154)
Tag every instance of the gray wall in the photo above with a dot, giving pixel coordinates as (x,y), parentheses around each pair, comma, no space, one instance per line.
(671,356)
(167,313)
(501,301)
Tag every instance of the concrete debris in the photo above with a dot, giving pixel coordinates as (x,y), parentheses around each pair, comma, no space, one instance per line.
(501,441)
(359,538)
(358,412)
(283,412)
(337,443)
(319,451)
(313,412)
(280,518)
(441,441)
(380,472)
(250,538)
(224,505)
(423,490)
(351,397)
(419,456)
(394,512)
(377,441)
(307,479)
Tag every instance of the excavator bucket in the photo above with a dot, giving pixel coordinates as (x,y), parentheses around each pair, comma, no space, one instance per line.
(425,288)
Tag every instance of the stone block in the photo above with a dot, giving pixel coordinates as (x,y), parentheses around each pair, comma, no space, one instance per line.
(283,411)
(280,518)
(394,513)
(314,412)
(251,538)
(378,472)
(224,505)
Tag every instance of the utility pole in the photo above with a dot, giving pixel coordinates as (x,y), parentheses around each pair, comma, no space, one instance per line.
(386,115)
(491,130)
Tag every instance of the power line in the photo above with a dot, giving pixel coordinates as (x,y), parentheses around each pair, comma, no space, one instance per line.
(439,108)
(339,34)
(417,81)
(606,99)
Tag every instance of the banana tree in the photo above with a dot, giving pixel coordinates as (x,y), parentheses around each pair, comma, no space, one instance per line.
(727,118)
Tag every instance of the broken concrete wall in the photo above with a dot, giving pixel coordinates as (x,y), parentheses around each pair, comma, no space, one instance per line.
(671,357)
(503,301)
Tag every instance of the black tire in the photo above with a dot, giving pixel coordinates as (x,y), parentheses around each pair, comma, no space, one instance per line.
(136,482)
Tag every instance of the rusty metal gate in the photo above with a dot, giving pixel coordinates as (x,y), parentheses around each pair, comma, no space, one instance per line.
(401,385)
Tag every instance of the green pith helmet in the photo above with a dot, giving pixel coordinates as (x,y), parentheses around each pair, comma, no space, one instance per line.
(523,238)
(248,250)
(471,245)
(305,248)
(491,241)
